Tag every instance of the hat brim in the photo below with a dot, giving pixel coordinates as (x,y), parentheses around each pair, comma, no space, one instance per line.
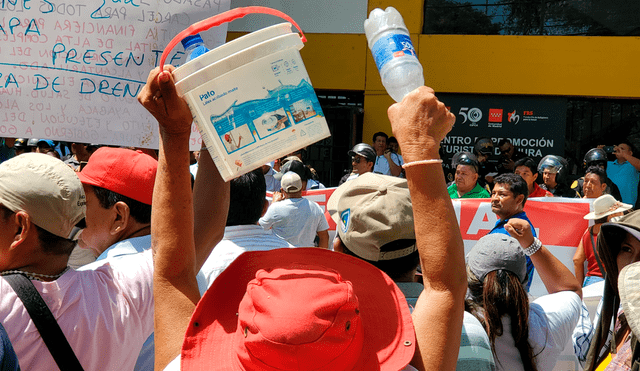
(592,215)
(210,337)
(628,283)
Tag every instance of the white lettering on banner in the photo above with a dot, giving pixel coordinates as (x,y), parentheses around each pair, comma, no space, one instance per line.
(484,219)
(58,55)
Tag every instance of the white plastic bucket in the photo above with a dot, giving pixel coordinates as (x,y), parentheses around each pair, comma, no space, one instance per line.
(252,100)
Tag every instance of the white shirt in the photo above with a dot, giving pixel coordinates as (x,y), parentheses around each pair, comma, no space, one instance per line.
(106,314)
(552,319)
(238,239)
(297,220)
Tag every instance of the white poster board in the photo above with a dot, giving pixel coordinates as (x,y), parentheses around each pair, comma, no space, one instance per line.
(70,69)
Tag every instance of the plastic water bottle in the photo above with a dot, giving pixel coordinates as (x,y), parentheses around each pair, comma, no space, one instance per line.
(193,47)
(393,52)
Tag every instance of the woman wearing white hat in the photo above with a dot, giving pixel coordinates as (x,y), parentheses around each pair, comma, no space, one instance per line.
(605,207)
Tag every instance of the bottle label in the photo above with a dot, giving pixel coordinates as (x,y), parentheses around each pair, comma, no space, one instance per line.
(392,46)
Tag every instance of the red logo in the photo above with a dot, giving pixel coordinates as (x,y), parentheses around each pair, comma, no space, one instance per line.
(495,115)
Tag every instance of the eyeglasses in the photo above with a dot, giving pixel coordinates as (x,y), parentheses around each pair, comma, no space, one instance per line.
(356,159)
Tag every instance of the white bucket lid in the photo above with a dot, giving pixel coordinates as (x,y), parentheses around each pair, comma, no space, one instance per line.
(241,58)
(227,49)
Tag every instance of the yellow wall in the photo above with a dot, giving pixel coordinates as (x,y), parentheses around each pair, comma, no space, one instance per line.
(536,65)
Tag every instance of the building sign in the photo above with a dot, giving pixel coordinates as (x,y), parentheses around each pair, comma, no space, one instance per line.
(535,125)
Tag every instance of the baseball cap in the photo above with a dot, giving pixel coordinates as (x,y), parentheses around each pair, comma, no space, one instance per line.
(123,171)
(370,211)
(291,182)
(364,150)
(294,165)
(497,251)
(311,308)
(48,142)
(46,188)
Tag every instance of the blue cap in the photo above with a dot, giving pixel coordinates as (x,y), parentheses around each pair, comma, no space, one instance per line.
(48,141)
(190,40)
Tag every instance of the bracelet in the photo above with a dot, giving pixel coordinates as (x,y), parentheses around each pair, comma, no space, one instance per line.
(533,248)
(422,162)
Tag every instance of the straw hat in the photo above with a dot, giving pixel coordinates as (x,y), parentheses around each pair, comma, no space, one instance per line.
(606,205)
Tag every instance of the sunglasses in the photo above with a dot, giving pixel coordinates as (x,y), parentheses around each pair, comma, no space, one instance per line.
(356,159)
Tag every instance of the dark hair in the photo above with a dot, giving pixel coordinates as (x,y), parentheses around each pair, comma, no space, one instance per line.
(503,141)
(528,162)
(392,140)
(247,198)
(380,134)
(139,211)
(394,268)
(516,184)
(502,294)
(50,243)
(597,170)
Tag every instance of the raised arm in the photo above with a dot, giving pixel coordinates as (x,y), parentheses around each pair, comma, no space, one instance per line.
(555,275)
(420,122)
(174,282)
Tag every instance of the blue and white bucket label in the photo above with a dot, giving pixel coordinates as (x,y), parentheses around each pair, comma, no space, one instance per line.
(392,46)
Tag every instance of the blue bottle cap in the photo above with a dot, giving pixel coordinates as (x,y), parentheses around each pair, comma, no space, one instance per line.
(190,40)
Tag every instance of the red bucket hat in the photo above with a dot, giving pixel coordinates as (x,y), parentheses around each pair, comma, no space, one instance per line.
(123,171)
(300,309)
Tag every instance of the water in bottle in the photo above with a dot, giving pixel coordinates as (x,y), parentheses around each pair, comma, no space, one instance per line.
(194,47)
(393,52)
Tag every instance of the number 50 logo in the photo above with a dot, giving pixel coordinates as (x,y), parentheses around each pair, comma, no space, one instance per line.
(474,114)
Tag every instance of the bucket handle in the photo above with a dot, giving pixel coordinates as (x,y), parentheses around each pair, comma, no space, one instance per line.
(221,18)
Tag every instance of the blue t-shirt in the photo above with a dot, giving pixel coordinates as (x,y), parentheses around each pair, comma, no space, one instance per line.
(8,359)
(499,228)
(626,177)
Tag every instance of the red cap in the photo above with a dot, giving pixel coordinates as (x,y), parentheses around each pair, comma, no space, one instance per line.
(300,308)
(123,171)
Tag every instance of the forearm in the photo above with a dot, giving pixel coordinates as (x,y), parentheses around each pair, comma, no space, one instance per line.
(323,239)
(555,275)
(210,207)
(393,168)
(634,161)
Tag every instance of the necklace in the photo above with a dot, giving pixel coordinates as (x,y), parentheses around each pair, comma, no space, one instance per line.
(35,276)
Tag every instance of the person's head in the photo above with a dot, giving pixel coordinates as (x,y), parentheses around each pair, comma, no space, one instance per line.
(595,182)
(291,184)
(119,184)
(553,169)
(526,168)
(624,148)
(496,273)
(294,164)
(483,149)
(595,157)
(80,151)
(466,166)
(32,145)
(363,157)
(247,198)
(509,195)
(392,144)
(506,148)
(45,145)
(374,219)
(41,201)
(227,137)
(20,146)
(605,207)
(380,142)
(308,307)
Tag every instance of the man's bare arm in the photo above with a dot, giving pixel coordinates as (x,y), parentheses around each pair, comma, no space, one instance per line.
(420,122)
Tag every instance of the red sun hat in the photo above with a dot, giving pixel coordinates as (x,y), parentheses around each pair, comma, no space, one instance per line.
(123,171)
(300,309)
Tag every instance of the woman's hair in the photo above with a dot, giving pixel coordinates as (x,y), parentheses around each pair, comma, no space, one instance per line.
(501,294)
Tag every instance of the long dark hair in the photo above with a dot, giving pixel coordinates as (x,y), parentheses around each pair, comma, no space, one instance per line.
(501,294)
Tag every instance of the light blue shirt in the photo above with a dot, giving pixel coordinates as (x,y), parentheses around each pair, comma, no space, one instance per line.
(626,177)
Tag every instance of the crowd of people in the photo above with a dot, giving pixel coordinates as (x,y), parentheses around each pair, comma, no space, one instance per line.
(137,260)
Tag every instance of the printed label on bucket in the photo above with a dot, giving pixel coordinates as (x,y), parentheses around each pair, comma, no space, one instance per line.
(258,112)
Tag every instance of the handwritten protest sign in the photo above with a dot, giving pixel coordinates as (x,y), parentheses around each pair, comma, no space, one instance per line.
(70,70)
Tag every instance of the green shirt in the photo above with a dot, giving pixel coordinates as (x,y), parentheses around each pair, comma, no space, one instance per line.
(476,192)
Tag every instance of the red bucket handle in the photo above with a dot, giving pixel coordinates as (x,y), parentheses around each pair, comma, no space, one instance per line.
(221,18)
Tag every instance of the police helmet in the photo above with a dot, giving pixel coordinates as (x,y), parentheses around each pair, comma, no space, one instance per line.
(484,146)
(555,164)
(595,157)
(465,158)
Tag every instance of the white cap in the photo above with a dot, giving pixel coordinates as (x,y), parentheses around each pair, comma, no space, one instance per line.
(291,182)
